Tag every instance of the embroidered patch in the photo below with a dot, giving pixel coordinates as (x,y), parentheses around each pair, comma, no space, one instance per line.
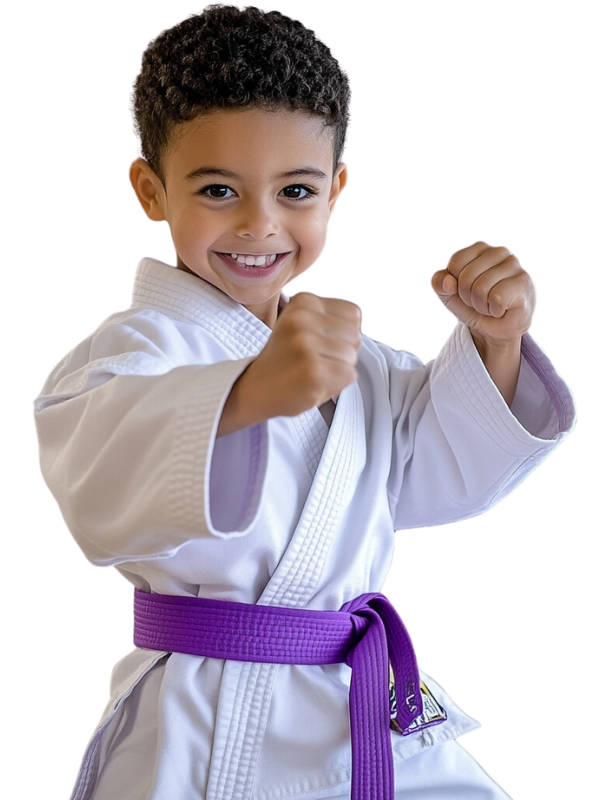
(433,713)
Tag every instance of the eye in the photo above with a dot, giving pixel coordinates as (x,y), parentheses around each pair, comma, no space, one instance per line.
(217,192)
(297,192)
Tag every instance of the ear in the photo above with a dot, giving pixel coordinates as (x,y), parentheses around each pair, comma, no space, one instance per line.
(340,176)
(149,189)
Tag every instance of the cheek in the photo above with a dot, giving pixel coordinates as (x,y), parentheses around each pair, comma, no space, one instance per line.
(189,231)
(320,237)
(191,249)
(314,241)
(313,233)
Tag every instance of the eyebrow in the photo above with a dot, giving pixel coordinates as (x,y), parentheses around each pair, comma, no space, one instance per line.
(310,172)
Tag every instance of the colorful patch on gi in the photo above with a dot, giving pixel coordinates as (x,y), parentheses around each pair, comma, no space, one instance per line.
(433,713)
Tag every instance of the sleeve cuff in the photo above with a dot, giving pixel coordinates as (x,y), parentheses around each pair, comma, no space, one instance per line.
(217,481)
(542,413)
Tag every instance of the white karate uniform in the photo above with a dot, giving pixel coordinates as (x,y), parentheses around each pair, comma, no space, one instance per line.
(286,513)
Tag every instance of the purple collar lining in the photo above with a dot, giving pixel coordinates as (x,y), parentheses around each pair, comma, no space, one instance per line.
(367,634)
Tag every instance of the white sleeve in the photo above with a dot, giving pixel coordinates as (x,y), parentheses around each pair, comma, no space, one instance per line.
(458,448)
(133,460)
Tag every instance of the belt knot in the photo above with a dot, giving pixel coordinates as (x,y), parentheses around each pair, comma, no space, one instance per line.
(367,634)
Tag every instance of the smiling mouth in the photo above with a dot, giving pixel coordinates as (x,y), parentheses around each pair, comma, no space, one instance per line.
(248,260)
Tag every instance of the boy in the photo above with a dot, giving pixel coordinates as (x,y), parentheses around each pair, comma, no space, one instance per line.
(216,442)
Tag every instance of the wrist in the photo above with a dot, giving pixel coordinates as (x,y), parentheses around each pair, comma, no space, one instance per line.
(502,360)
(243,407)
(496,349)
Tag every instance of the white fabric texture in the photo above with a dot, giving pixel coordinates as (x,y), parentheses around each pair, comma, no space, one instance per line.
(445,772)
(288,513)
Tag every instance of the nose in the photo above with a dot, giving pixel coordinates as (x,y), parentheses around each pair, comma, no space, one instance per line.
(257,219)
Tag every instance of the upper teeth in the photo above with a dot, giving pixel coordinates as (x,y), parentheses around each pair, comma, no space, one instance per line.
(255,261)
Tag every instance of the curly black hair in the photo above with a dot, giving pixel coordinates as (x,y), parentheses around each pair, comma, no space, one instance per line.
(228,57)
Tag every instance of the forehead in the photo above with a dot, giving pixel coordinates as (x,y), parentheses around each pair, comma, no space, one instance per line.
(252,143)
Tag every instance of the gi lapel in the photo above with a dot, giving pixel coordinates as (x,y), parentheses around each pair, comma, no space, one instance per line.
(246,688)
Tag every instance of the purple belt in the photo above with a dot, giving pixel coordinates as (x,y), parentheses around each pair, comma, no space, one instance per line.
(367,634)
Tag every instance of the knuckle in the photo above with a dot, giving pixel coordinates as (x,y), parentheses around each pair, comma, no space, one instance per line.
(301,342)
(479,292)
(301,297)
(300,319)
(496,297)
(304,300)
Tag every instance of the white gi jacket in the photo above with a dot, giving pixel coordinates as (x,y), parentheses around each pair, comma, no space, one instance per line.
(287,513)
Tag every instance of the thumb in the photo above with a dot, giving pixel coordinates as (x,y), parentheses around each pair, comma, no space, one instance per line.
(444,285)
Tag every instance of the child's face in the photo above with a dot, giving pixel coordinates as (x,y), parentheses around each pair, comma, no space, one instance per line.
(247,195)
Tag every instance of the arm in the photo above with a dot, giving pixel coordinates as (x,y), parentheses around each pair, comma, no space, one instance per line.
(129,462)
(127,445)
(458,448)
